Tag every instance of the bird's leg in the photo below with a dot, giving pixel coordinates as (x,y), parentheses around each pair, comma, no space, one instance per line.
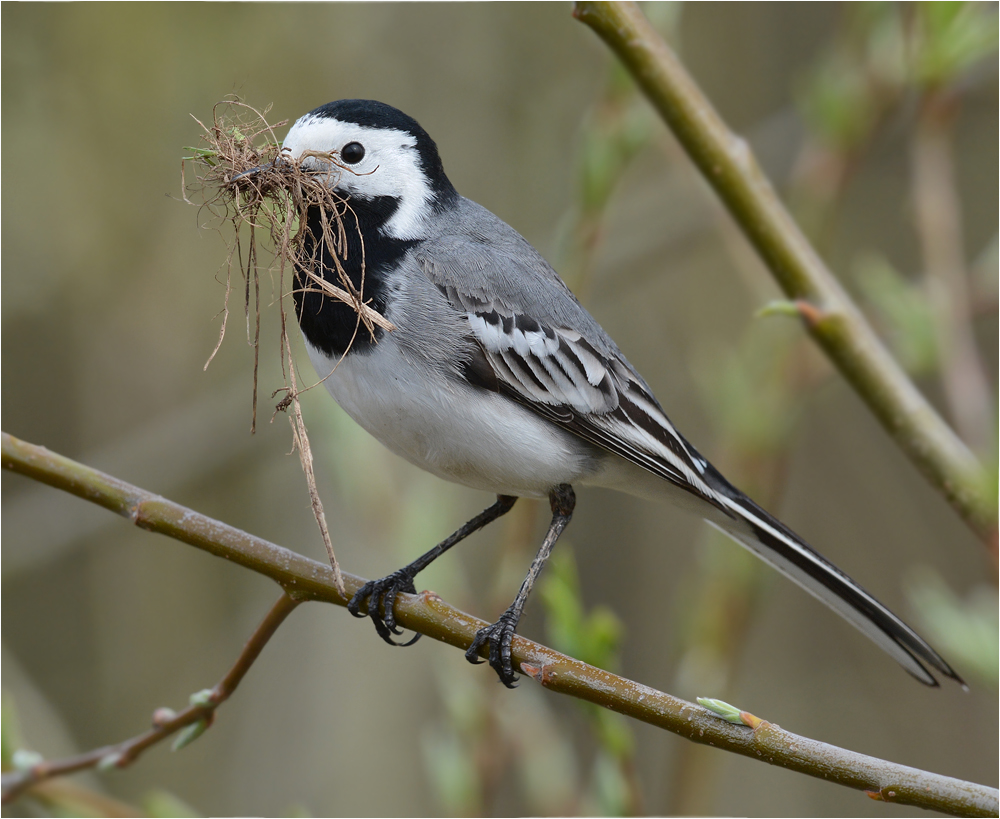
(381,594)
(501,633)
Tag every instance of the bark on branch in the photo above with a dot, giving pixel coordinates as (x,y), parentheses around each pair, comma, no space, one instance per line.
(304,579)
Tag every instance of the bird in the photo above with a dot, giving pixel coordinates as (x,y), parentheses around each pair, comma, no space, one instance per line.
(495,377)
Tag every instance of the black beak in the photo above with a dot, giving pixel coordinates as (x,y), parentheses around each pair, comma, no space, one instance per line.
(245,176)
(250,172)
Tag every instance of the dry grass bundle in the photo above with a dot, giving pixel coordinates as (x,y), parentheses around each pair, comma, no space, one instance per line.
(243,178)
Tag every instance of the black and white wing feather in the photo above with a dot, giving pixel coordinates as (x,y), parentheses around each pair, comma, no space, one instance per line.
(560,375)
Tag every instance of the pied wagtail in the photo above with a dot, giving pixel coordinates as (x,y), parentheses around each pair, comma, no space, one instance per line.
(497,378)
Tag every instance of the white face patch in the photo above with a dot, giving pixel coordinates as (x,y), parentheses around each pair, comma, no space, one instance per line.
(390,167)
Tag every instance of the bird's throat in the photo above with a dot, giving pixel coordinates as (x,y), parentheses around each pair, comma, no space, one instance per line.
(331,325)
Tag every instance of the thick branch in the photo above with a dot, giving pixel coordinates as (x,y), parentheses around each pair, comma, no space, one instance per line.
(426,613)
(830,316)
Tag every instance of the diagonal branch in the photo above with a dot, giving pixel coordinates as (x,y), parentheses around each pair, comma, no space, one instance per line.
(305,579)
(192,721)
(828,313)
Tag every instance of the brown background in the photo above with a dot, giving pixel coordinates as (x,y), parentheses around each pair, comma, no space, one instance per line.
(110,296)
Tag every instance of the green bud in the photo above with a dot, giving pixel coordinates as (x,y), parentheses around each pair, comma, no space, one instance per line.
(24,760)
(203,698)
(729,713)
(189,734)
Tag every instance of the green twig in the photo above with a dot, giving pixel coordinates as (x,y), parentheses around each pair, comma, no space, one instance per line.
(829,315)
(305,579)
(188,724)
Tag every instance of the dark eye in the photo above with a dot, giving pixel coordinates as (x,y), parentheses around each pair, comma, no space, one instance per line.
(352,153)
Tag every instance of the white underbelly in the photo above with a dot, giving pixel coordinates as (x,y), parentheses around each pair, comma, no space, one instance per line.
(453,430)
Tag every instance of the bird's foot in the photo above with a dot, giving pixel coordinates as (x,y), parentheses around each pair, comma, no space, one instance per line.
(499,636)
(381,595)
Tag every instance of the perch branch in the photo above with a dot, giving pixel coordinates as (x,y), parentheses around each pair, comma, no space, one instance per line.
(826,310)
(305,579)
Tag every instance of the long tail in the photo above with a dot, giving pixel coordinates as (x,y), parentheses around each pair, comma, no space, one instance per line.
(776,544)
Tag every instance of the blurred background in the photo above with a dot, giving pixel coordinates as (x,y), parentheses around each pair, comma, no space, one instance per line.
(879,125)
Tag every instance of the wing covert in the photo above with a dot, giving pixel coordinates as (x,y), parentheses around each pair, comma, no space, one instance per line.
(563,377)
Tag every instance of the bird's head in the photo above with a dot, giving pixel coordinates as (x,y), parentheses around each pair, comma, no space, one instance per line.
(375,153)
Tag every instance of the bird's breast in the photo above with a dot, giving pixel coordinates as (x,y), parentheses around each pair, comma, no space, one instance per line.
(456,431)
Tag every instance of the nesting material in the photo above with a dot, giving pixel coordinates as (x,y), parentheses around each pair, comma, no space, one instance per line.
(245,181)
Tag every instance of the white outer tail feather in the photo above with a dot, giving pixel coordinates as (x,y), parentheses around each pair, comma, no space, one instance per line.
(809,583)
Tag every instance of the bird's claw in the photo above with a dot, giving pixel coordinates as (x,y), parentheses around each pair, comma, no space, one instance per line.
(499,636)
(381,594)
